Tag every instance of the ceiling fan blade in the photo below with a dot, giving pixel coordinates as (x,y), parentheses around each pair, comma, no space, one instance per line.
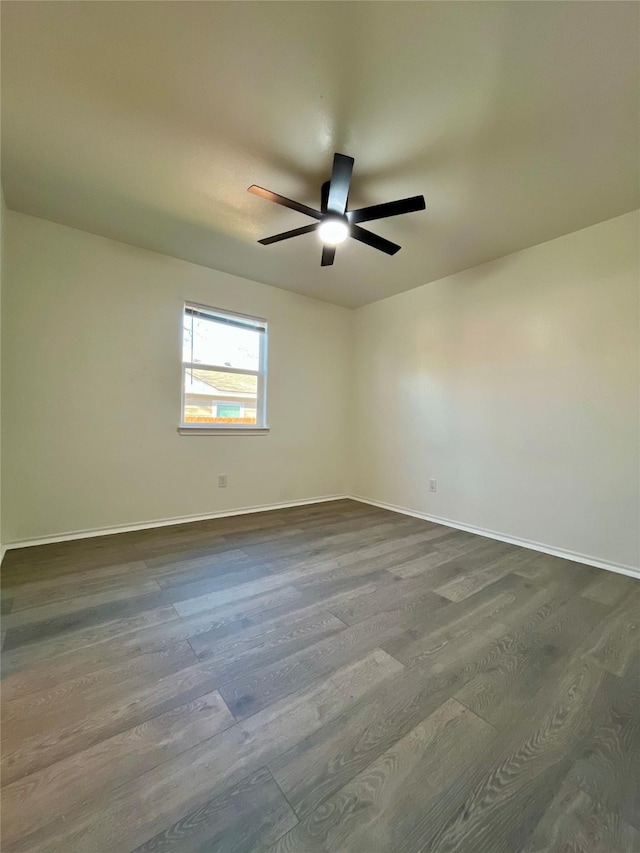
(374,240)
(388,208)
(306,229)
(285,202)
(328,255)
(324,196)
(340,183)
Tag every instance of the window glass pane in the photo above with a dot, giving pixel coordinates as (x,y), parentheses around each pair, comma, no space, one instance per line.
(216,397)
(230,410)
(208,342)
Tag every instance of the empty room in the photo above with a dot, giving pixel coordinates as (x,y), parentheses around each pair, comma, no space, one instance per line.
(320,426)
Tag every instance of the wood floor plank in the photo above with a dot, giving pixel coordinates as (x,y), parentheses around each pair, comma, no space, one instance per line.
(138,810)
(123,551)
(24,659)
(480,651)
(377,810)
(504,692)
(575,822)
(36,631)
(73,735)
(250,691)
(177,572)
(607,765)
(257,688)
(38,666)
(217,582)
(544,567)
(610,588)
(386,552)
(340,645)
(500,801)
(76,698)
(44,590)
(615,641)
(72,603)
(248,816)
(268,641)
(324,762)
(543,600)
(339,591)
(305,574)
(29,803)
(421,644)
(396,595)
(326,532)
(133,701)
(449,548)
(347,581)
(74,560)
(340,540)
(202,603)
(477,577)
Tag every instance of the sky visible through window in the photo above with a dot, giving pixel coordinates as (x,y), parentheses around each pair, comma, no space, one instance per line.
(208,342)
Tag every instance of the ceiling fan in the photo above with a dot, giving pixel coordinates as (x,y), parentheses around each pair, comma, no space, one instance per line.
(336,223)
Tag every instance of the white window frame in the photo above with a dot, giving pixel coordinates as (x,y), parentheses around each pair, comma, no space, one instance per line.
(259,324)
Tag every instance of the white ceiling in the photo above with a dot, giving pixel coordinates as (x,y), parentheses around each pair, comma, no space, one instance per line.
(146,122)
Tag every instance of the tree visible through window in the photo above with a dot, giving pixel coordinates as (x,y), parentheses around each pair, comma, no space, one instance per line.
(224,369)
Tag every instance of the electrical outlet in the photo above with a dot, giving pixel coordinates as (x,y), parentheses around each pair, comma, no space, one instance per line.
(222,481)
(433,485)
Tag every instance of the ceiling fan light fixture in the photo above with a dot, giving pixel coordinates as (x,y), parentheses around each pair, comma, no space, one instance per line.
(333,230)
(333,222)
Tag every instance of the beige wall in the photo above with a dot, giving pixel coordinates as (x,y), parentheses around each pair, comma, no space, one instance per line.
(2,224)
(515,385)
(91,369)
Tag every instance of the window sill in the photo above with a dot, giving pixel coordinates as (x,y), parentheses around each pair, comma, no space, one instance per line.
(222,430)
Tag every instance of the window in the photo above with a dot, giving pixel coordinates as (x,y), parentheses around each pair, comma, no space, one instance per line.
(229,410)
(224,364)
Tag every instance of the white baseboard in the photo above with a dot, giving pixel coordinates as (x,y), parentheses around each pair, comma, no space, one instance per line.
(512,540)
(447,522)
(165,522)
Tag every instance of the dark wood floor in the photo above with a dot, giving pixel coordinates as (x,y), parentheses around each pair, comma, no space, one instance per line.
(326,678)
